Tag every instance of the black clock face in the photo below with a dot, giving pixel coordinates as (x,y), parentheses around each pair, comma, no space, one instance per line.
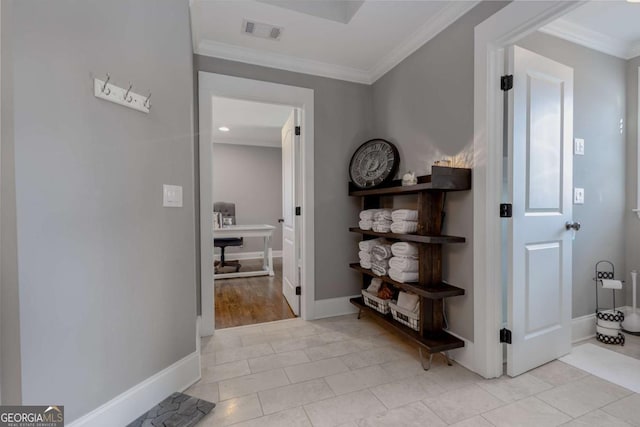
(374,163)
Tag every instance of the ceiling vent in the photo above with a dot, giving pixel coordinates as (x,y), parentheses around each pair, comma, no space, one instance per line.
(258,29)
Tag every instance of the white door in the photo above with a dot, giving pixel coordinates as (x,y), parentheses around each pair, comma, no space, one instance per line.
(540,168)
(290,151)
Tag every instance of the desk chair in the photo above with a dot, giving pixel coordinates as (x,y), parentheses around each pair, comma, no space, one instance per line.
(227,210)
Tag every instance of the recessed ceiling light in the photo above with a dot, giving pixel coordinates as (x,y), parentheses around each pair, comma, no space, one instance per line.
(633,1)
(224,129)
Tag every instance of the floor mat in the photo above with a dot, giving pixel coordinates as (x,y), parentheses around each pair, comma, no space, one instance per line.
(177,410)
(606,364)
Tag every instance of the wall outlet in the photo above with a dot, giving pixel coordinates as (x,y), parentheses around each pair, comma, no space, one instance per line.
(578,147)
(172,196)
(578,196)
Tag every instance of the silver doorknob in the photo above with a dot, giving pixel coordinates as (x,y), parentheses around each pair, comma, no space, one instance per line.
(573,225)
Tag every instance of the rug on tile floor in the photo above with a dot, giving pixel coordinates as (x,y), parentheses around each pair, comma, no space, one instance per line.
(606,364)
(177,410)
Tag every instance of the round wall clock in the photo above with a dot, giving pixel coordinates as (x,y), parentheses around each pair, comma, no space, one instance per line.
(374,163)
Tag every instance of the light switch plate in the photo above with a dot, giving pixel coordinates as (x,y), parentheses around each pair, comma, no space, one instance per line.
(578,196)
(578,147)
(172,196)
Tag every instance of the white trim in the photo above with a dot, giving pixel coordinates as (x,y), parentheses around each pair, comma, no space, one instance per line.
(583,328)
(637,210)
(247,255)
(444,17)
(508,25)
(129,405)
(332,307)
(463,356)
(595,40)
(211,84)
(280,61)
(447,15)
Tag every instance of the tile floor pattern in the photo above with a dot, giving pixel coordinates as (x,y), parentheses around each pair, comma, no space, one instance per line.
(347,372)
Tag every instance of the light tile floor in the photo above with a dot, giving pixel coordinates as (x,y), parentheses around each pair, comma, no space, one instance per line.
(352,373)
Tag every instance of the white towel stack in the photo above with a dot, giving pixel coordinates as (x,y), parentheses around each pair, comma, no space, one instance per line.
(381,253)
(366,247)
(403,269)
(402,276)
(365,224)
(368,214)
(404,221)
(381,226)
(379,267)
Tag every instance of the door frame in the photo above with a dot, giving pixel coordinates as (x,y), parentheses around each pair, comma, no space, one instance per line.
(492,36)
(210,85)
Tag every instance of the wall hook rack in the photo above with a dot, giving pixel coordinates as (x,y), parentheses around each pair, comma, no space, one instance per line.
(110,92)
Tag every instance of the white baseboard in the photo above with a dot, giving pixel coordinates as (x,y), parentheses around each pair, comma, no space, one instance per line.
(463,356)
(334,307)
(126,407)
(584,327)
(247,255)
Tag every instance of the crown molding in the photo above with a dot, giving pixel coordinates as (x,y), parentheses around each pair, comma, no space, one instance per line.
(434,26)
(447,15)
(280,61)
(578,34)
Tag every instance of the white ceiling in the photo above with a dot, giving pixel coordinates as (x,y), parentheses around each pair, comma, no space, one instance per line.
(250,123)
(612,27)
(318,37)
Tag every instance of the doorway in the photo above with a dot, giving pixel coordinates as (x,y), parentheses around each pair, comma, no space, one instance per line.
(214,87)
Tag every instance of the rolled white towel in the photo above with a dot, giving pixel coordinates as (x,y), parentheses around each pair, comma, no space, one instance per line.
(401,276)
(365,256)
(379,267)
(405,249)
(404,215)
(381,251)
(374,287)
(404,264)
(408,301)
(365,264)
(368,214)
(365,224)
(382,215)
(367,245)
(381,226)
(404,227)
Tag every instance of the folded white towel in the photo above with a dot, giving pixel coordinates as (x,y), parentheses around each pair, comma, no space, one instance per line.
(365,224)
(382,215)
(405,249)
(408,301)
(368,214)
(404,227)
(404,215)
(365,256)
(404,264)
(365,264)
(374,287)
(611,284)
(401,276)
(381,251)
(381,226)
(379,267)
(367,245)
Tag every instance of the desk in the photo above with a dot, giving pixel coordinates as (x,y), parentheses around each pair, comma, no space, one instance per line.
(261,230)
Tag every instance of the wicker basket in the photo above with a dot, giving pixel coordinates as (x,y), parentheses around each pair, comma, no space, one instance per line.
(406,317)
(378,304)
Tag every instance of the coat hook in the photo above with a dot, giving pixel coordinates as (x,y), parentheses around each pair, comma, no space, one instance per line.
(106,90)
(126,95)
(146,101)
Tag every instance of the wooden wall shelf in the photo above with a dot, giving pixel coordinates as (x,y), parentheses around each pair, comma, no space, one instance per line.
(416,238)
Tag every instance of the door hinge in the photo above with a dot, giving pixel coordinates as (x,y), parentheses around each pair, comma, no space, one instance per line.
(505,335)
(506,82)
(297,130)
(506,210)
(298,210)
(298,290)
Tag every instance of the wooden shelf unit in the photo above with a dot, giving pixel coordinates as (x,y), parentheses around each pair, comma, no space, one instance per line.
(430,191)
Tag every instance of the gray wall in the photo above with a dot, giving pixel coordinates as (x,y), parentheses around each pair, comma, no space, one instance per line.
(10,368)
(251,177)
(632,221)
(342,122)
(106,274)
(425,106)
(599,104)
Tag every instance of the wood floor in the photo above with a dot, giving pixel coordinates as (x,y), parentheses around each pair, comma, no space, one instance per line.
(250,300)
